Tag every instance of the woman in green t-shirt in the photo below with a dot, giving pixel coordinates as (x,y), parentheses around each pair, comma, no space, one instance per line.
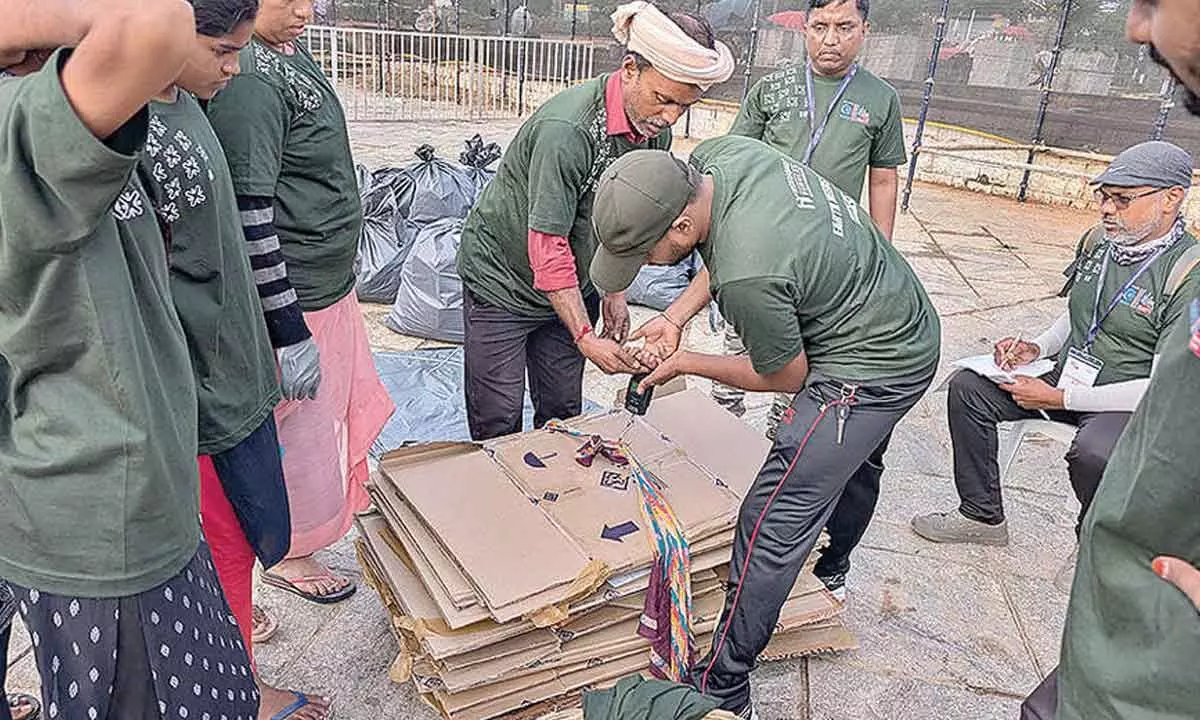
(286,141)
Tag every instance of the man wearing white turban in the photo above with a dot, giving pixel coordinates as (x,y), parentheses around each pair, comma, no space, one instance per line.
(529,304)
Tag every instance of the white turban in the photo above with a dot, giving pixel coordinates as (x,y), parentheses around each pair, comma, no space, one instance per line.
(644,29)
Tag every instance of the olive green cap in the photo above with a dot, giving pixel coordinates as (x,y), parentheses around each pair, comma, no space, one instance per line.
(637,199)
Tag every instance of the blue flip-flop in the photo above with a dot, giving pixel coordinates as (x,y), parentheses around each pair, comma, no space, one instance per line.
(301,702)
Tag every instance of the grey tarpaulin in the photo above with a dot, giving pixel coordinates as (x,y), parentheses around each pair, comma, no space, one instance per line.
(429,302)
(427,388)
(657,286)
(386,237)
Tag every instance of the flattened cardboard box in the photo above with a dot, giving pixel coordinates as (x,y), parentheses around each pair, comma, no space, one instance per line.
(406,596)
(526,524)
(505,697)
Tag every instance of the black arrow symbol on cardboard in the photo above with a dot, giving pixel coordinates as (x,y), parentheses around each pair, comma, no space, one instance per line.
(534,461)
(618,532)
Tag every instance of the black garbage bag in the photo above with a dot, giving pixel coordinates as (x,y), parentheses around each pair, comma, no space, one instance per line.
(657,286)
(401,182)
(429,301)
(384,240)
(441,189)
(477,157)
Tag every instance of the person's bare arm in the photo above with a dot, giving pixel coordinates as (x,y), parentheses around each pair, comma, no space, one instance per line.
(734,371)
(884,184)
(568,303)
(127,51)
(663,332)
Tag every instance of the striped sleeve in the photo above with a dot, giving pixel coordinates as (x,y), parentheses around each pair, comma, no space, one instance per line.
(285,320)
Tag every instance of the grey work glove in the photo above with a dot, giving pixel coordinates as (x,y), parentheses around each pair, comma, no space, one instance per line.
(300,370)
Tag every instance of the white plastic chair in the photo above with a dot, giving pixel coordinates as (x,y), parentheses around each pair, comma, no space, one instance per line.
(1012,434)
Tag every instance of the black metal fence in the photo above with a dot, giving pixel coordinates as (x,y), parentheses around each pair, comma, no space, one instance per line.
(1057,73)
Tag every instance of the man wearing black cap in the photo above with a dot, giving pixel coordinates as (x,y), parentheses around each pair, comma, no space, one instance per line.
(1131,282)
(829,311)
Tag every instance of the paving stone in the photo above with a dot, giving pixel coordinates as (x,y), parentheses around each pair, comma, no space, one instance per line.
(935,620)
(843,691)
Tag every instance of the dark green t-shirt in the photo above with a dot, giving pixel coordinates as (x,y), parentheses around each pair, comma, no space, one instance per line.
(211,280)
(865,130)
(99,494)
(1132,640)
(545,182)
(1135,330)
(284,134)
(797,265)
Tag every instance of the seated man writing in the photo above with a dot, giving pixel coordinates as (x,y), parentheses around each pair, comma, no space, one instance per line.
(1132,279)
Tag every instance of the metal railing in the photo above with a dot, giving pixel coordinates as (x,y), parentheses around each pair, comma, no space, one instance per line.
(390,76)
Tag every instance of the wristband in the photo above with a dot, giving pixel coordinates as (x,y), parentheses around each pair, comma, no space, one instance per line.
(583,332)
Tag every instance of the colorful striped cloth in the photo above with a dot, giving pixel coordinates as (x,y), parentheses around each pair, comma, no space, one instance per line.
(669,602)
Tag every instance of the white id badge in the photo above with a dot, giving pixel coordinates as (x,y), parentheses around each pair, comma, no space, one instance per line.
(1081,370)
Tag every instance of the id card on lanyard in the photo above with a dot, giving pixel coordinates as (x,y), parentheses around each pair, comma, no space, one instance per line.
(818,131)
(1082,368)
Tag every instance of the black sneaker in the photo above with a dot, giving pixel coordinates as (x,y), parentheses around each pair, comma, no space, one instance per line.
(835,584)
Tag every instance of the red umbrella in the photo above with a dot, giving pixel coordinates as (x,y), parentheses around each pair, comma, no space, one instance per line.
(790,19)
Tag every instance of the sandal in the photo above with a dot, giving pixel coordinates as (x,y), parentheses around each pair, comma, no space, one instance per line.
(302,702)
(20,701)
(278,581)
(264,626)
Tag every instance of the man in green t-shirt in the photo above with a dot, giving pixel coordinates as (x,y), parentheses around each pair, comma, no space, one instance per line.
(849,128)
(528,303)
(1132,281)
(831,313)
(835,116)
(1132,641)
(99,531)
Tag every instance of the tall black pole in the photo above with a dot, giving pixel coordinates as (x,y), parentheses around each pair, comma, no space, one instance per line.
(1047,88)
(939,34)
(687,119)
(752,50)
(574,17)
(1164,110)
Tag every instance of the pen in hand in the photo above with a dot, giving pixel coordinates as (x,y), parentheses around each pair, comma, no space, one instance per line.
(1007,357)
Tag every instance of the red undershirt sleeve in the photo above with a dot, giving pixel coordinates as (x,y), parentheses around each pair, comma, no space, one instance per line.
(552,262)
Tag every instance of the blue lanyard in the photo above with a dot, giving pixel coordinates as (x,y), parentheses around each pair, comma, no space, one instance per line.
(818,131)
(1098,319)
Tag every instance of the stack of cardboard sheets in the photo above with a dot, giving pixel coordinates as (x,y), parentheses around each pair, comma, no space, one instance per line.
(516,577)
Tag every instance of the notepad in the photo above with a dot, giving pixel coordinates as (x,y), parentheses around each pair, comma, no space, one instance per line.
(985,366)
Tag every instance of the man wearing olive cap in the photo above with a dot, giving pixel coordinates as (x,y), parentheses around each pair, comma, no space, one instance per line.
(828,310)
(1130,283)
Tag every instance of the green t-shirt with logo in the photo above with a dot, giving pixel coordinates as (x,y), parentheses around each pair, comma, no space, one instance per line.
(545,182)
(99,493)
(865,130)
(797,265)
(211,280)
(1135,330)
(285,137)
(1132,640)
